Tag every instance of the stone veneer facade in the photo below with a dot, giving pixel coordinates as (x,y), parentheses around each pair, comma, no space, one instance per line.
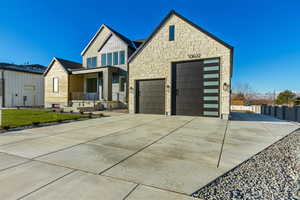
(154,61)
(60,97)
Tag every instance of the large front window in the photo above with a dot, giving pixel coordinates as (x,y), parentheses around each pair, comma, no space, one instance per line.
(91,62)
(91,85)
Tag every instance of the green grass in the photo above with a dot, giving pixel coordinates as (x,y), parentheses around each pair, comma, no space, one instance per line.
(15,118)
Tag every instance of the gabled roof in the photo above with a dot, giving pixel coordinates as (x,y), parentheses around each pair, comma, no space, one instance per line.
(34,68)
(66,64)
(139,42)
(172,12)
(119,35)
(122,37)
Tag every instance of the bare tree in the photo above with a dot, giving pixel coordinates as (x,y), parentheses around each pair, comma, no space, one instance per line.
(245,90)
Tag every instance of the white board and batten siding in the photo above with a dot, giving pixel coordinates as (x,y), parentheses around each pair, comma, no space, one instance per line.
(22,85)
(115,44)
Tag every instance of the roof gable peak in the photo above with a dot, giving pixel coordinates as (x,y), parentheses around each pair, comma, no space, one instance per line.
(166,18)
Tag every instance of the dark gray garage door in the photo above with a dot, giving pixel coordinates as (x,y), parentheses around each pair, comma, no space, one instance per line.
(150,97)
(195,88)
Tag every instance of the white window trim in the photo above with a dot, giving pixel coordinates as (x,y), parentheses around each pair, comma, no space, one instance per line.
(55,89)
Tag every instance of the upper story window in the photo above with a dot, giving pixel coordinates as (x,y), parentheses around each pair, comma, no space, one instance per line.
(109,59)
(91,62)
(122,57)
(171,33)
(116,58)
(55,84)
(103,59)
(113,58)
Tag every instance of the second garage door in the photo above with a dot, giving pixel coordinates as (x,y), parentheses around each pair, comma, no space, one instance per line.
(150,97)
(196,88)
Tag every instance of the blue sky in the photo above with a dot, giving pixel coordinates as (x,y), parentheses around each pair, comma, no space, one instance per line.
(265,33)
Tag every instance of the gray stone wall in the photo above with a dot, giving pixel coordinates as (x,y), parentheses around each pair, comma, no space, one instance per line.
(154,61)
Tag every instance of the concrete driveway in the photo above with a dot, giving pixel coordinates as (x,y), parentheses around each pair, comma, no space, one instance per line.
(130,156)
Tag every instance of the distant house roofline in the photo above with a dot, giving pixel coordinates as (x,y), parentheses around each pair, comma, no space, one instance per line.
(66,64)
(33,68)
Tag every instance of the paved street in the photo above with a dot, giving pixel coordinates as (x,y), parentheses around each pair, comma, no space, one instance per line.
(130,156)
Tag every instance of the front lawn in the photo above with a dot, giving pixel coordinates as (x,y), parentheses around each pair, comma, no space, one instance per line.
(15,118)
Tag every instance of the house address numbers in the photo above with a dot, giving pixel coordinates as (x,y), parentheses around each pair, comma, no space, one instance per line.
(196,55)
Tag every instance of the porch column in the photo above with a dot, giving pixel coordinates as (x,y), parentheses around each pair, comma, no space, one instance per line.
(107,84)
(100,85)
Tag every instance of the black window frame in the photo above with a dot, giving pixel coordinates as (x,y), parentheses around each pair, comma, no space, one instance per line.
(103,61)
(109,59)
(94,87)
(115,58)
(91,62)
(171,32)
(122,53)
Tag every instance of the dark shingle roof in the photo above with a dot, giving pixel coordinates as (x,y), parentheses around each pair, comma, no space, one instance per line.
(34,68)
(122,37)
(69,65)
(139,42)
(129,42)
(66,64)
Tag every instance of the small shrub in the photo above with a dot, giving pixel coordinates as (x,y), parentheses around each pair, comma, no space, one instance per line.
(59,121)
(61,111)
(53,110)
(81,112)
(90,115)
(6,127)
(35,123)
(71,111)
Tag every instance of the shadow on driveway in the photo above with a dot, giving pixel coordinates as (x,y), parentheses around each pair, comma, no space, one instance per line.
(238,116)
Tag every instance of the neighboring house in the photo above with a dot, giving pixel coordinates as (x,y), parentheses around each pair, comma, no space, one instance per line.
(181,69)
(21,85)
(101,79)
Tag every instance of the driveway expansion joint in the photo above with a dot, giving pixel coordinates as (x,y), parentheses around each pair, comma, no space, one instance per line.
(22,197)
(222,146)
(131,191)
(88,141)
(145,147)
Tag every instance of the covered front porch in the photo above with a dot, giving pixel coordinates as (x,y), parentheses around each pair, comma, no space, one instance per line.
(101,84)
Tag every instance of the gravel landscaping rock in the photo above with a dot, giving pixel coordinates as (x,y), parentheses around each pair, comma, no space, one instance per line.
(273,173)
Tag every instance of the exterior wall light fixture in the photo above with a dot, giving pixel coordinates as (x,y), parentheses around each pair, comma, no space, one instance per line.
(226,87)
(131,89)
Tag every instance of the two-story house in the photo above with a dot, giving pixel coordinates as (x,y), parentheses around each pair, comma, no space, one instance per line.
(101,78)
(179,69)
